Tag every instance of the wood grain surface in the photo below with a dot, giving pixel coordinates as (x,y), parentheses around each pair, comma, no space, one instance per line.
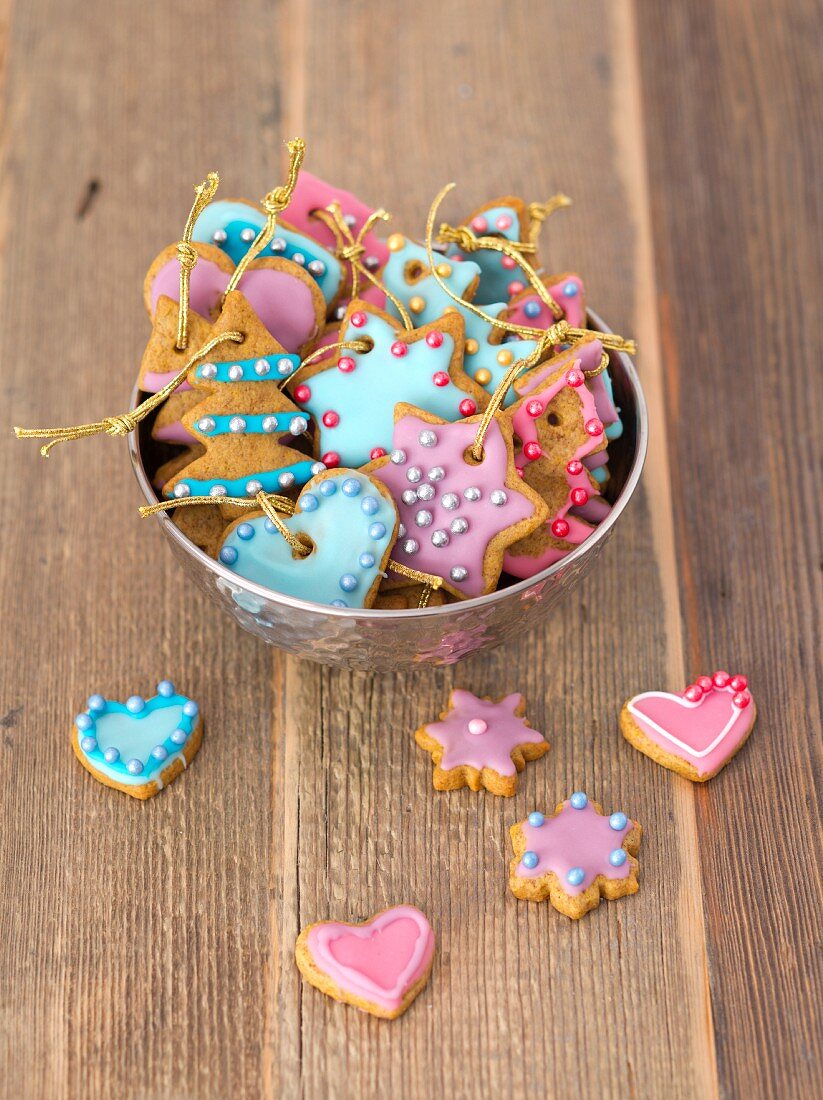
(146,950)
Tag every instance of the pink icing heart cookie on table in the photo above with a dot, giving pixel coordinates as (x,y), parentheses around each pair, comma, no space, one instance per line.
(481,743)
(695,732)
(378,966)
(575,856)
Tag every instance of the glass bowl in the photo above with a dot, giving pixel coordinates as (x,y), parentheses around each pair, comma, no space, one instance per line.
(396,640)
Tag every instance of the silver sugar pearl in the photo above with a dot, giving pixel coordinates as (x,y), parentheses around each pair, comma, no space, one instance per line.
(411,546)
(436,473)
(427,439)
(339,313)
(235,372)
(458,572)
(401,530)
(398,457)
(371,263)
(424,518)
(269,424)
(262,368)
(317,268)
(425,492)
(414,474)
(450,501)
(247,234)
(350,220)
(217,491)
(299,258)
(472,493)
(206,424)
(286,479)
(317,468)
(253,488)
(440,538)
(219,236)
(285,367)
(237,424)
(459,526)
(278,245)
(409,496)
(181,489)
(298,424)
(498,497)
(208,370)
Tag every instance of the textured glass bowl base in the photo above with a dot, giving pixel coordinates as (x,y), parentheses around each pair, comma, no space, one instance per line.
(394,640)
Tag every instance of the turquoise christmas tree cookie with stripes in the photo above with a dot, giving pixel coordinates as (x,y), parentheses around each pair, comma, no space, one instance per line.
(347,524)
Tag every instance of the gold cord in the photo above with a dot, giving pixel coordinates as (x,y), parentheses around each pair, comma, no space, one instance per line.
(283,504)
(350,249)
(125,422)
(429,581)
(187,254)
(320,353)
(539,211)
(502,389)
(273,203)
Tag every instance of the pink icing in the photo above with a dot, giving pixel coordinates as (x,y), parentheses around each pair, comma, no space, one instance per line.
(485,519)
(173,433)
(703,733)
(378,961)
(572,306)
(490,747)
(574,838)
(590,353)
(153,381)
(283,302)
(312,193)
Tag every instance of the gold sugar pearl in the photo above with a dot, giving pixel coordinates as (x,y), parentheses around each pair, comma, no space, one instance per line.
(417,304)
(395,242)
(505,358)
(450,309)
(444,270)
(483,376)
(471,347)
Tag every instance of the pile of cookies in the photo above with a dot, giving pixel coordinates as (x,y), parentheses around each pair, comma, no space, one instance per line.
(359,433)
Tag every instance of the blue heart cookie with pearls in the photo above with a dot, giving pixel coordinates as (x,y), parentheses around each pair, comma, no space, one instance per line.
(347,523)
(139,746)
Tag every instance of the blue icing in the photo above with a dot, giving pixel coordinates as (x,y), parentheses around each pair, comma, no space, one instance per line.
(270,481)
(614,430)
(116,735)
(350,541)
(600,474)
(436,300)
(365,398)
(494,277)
(263,368)
(232,218)
(255,424)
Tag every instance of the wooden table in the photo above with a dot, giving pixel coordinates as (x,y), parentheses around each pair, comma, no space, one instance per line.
(146,949)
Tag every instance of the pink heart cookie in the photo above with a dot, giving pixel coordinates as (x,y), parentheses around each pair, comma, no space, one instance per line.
(379,966)
(695,732)
(310,194)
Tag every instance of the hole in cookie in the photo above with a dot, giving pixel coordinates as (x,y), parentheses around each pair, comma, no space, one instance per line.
(414,271)
(368,344)
(469,458)
(306,542)
(553,419)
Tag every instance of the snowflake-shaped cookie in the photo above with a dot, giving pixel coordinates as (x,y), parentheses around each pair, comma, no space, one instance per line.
(457,516)
(353,396)
(481,743)
(574,856)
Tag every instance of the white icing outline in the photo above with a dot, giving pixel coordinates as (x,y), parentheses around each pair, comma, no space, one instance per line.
(689,705)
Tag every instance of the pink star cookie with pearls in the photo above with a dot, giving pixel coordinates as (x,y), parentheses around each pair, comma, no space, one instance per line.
(575,856)
(695,732)
(457,515)
(481,743)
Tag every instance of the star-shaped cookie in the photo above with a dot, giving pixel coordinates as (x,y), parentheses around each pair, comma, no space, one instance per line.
(480,743)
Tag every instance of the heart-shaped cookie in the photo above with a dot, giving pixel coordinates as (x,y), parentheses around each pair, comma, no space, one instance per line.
(348,523)
(139,746)
(379,966)
(695,732)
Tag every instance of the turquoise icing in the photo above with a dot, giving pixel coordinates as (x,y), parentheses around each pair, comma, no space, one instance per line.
(600,474)
(254,424)
(365,398)
(437,300)
(351,525)
(233,217)
(494,277)
(271,481)
(279,366)
(615,429)
(135,735)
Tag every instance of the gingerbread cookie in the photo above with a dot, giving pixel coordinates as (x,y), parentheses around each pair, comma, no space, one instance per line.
(695,732)
(408,599)
(347,522)
(574,856)
(458,516)
(528,308)
(481,742)
(353,396)
(139,746)
(500,278)
(379,966)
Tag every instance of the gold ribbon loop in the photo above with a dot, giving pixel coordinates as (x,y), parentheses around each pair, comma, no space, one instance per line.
(539,211)
(187,254)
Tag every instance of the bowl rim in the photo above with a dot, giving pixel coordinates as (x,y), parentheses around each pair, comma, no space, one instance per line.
(383,615)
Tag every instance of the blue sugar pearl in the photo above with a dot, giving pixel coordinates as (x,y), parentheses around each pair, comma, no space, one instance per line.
(366,560)
(159,752)
(351,487)
(135,703)
(377,530)
(134,766)
(245,531)
(88,744)
(271,528)
(618,822)
(190,708)
(348,582)
(570,289)
(618,857)
(308,503)
(579,800)
(575,876)
(328,488)
(228,555)
(96,702)
(339,603)
(532,309)
(369,505)
(83,722)
(536,819)
(178,737)
(111,755)
(530,860)
(165,688)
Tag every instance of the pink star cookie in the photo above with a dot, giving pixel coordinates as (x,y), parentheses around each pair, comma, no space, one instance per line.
(575,856)
(457,516)
(481,743)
